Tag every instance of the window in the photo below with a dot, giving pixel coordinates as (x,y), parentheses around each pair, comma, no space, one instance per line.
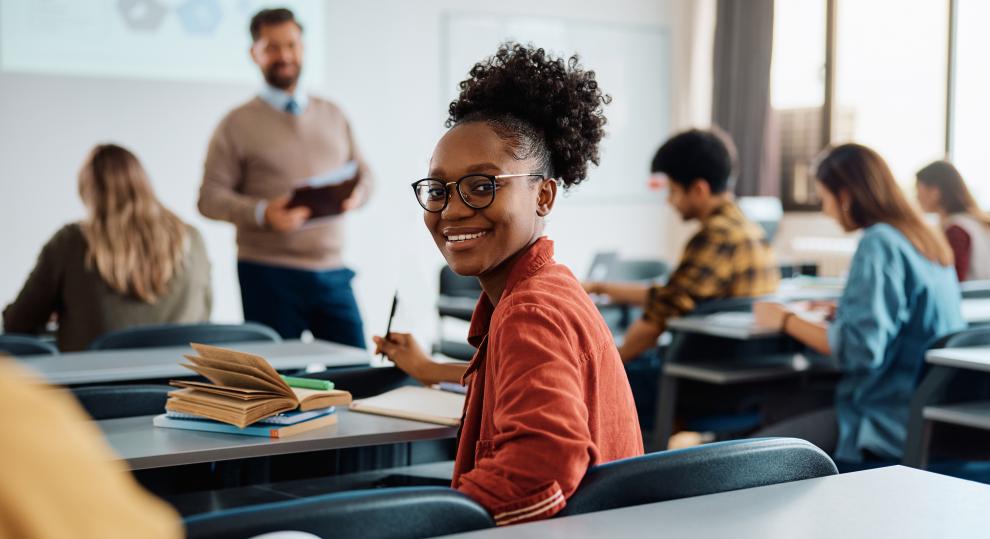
(891,65)
(971,97)
(797,95)
(876,72)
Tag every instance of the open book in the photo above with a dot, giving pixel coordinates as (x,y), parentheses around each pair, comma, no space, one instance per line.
(242,389)
(416,403)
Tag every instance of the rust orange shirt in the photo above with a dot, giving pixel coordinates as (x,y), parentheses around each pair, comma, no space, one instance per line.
(547,394)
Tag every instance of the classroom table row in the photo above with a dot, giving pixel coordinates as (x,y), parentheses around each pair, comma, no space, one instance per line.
(141,364)
(886,502)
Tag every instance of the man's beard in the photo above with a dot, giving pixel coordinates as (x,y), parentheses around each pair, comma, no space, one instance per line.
(280,81)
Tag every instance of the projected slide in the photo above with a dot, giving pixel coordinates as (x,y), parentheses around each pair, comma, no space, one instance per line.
(194,40)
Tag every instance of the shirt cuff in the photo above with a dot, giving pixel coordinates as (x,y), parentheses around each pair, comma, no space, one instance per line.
(259,213)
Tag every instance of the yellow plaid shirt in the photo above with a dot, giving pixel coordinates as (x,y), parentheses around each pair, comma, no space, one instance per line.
(728,258)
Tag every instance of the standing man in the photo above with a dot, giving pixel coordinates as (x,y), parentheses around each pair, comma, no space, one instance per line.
(291,272)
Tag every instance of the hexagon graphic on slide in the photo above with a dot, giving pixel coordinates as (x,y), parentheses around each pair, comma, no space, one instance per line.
(201,17)
(142,14)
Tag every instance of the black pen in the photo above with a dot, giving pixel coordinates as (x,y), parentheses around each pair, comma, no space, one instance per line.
(391,315)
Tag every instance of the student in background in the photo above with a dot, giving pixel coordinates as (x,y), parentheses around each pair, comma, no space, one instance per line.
(130,262)
(291,271)
(547,395)
(901,295)
(728,258)
(59,477)
(941,190)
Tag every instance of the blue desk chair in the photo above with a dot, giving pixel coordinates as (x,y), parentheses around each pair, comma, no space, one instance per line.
(975,289)
(696,471)
(25,345)
(458,295)
(183,334)
(112,402)
(409,512)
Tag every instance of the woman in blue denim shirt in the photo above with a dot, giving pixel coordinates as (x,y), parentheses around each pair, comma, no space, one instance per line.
(901,295)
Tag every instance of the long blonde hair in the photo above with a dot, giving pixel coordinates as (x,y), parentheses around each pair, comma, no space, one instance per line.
(134,242)
(875,197)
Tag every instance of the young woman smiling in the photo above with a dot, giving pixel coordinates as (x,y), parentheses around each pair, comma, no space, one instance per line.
(547,397)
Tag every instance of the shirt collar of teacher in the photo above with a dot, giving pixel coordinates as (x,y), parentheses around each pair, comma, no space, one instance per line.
(281,100)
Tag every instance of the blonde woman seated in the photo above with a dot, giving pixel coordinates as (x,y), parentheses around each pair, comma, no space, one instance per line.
(130,262)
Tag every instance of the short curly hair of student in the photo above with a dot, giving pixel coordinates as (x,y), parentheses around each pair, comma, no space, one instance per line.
(547,108)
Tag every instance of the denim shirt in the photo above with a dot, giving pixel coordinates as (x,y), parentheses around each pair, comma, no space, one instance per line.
(895,305)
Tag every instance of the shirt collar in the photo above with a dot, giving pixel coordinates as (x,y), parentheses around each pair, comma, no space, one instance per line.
(278,99)
(536,256)
(727,207)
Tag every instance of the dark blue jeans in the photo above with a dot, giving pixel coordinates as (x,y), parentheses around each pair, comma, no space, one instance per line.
(293,300)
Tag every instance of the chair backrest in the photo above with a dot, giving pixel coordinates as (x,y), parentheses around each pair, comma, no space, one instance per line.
(25,345)
(405,512)
(964,385)
(637,271)
(452,284)
(183,334)
(112,402)
(696,471)
(968,338)
(975,289)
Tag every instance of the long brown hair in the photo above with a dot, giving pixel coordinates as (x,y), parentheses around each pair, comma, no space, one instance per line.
(954,196)
(134,242)
(875,197)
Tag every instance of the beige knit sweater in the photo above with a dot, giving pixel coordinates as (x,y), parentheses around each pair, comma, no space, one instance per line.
(258,153)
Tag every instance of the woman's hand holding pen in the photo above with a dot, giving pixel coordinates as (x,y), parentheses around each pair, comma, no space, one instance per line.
(406,353)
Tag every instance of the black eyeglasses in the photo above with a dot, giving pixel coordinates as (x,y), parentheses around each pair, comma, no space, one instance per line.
(476,190)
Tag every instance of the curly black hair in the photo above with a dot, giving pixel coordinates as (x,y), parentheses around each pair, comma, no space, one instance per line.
(544,107)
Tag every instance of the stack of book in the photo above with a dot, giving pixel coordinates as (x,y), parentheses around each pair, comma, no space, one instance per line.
(245,395)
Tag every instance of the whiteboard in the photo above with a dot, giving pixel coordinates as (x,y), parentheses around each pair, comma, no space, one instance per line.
(632,64)
(191,40)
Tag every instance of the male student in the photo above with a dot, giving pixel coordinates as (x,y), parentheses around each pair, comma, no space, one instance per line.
(727,258)
(291,272)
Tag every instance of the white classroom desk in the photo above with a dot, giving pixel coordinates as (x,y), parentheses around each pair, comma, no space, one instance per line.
(976,358)
(974,414)
(140,444)
(888,502)
(129,365)
(740,326)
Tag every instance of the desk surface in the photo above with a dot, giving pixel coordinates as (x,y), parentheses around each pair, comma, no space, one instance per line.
(99,366)
(739,325)
(888,502)
(976,310)
(976,358)
(142,445)
(770,367)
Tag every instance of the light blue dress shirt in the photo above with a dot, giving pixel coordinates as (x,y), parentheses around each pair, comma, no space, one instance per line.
(895,305)
(279,99)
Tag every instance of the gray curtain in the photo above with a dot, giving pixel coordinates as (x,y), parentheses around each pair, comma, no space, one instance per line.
(741,92)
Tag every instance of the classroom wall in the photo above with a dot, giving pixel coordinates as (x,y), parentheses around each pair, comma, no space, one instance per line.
(384,70)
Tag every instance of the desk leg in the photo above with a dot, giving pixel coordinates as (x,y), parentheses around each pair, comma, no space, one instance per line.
(666,411)
(931,390)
